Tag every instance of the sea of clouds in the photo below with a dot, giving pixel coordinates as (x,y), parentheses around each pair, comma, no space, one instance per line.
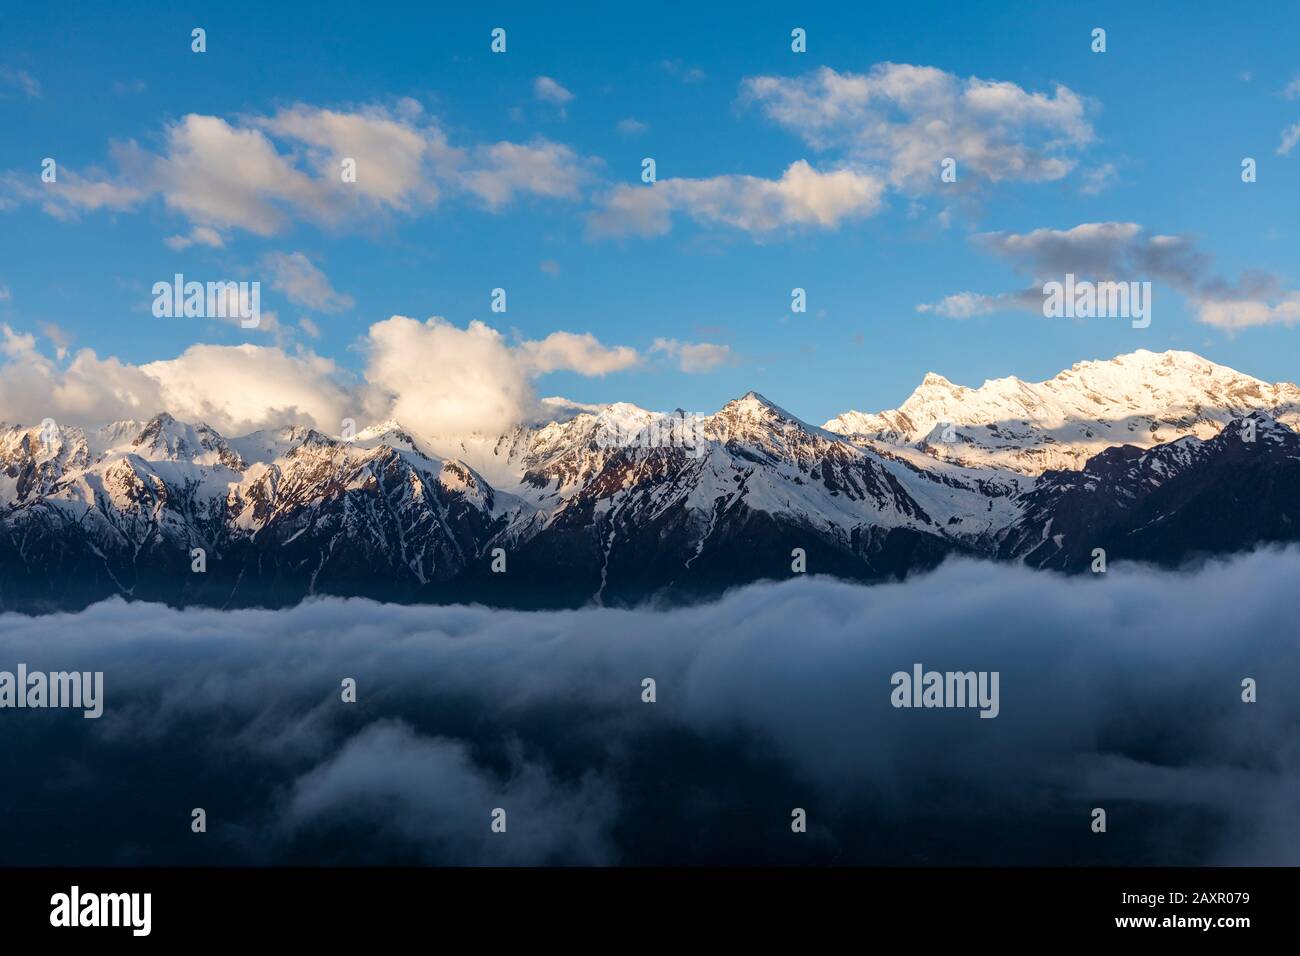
(1120,691)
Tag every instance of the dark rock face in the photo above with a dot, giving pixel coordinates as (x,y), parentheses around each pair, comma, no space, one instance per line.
(1168,504)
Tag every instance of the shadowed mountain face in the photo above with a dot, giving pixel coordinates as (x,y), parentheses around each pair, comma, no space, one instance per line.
(1164,505)
(620,505)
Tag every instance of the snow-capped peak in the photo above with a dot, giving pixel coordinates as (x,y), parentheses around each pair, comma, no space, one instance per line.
(754,407)
(390,433)
(1141,398)
(163,438)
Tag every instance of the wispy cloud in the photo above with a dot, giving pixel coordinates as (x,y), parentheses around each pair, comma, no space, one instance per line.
(682,71)
(1126,251)
(303,283)
(694,357)
(549,91)
(20,80)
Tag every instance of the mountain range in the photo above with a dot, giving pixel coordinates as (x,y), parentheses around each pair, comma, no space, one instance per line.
(1155,457)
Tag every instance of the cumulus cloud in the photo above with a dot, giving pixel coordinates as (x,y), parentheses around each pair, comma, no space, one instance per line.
(440,379)
(802,196)
(1126,252)
(908,118)
(576,353)
(33,387)
(890,128)
(241,388)
(392,151)
(259,174)
(224,176)
(1121,692)
(434,377)
(236,389)
(693,357)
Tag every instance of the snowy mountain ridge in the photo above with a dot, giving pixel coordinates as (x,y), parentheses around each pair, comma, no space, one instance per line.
(617,503)
(1141,398)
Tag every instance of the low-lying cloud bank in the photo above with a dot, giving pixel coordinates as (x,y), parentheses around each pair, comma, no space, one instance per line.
(1121,692)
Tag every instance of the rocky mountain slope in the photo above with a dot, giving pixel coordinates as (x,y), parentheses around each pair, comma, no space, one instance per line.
(1141,455)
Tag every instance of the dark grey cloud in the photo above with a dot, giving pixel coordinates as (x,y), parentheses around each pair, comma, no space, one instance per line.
(1120,691)
(1126,252)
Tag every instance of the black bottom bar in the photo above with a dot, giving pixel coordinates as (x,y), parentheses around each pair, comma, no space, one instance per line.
(329,905)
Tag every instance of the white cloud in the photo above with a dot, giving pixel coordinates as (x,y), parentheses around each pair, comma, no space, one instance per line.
(962,305)
(1232,315)
(439,379)
(396,160)
(303,283)
(70,194)
(87,390)
(693,357)
(223,176)
(235,389)
(630,126)
(240,388)
(199,236)
(576,353)
(549,91)
(261,173)
(909,118)
(541,168)
(1290,136)
(434,377)
(1098,179)
(802,196)
(57,335)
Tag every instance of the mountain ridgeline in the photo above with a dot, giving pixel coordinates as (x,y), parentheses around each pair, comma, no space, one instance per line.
(1163,458)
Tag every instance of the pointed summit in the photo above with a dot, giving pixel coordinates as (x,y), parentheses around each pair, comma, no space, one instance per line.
(755,405)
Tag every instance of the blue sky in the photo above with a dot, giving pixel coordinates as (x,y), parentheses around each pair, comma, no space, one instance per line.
(1183,92)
